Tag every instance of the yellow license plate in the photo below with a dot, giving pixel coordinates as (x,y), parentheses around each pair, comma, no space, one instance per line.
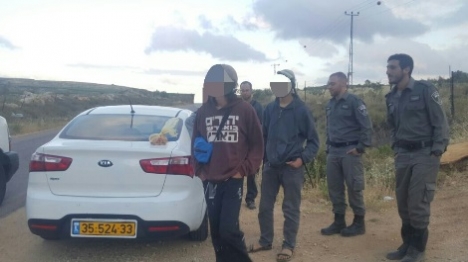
(104,228)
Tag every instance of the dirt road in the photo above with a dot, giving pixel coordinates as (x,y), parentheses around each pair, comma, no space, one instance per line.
(448,239)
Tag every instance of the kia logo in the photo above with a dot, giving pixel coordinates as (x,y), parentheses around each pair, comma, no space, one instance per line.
(105,163)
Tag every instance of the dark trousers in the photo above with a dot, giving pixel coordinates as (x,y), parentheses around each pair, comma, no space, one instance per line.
(416,175)
(292,180)
(346,169)
(252,190)
(223,202)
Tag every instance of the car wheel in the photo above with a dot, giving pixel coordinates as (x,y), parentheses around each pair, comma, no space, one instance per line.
(2,184)
(201,234)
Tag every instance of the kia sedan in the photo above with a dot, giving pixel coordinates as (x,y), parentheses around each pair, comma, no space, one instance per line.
(117,172)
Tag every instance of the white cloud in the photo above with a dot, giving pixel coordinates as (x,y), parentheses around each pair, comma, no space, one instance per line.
(219,46)
(105,41)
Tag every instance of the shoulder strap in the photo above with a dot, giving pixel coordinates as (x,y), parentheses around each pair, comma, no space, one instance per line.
(223,122)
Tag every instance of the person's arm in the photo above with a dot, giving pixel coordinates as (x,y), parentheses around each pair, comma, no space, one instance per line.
(259,110)
(265,126)
(438,121)
(390,118)
(194,122)
(362,117)
(254,142)
(327,146)
(307,129)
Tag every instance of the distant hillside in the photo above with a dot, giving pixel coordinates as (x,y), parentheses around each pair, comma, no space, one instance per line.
(39,99)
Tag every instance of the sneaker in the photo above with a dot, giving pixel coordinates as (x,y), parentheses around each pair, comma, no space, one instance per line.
(250,205)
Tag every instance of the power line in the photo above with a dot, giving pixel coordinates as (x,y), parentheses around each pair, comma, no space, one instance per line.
(387,9)
(330,30)
(367,7)
(361,5)
(336,23)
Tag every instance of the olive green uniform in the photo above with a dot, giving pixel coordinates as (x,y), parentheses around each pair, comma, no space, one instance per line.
(419,126)
(348,126)
(419,131)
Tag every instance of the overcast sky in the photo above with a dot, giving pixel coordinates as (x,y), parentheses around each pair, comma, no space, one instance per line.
(169,45)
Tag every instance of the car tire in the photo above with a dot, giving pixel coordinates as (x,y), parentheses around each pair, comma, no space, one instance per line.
(201,234)
(50,238)
(2,184)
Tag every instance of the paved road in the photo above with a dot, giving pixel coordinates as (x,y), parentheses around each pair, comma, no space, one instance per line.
(25,145)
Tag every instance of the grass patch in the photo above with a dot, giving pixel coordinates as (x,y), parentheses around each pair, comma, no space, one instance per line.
(24,126)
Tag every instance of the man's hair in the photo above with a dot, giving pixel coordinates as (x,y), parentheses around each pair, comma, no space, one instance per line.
(213,75)
(404,60)
(340,75)
(247,82)
(231,72)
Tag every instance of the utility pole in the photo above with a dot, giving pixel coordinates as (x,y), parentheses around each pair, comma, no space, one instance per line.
(274,68)
(350,65)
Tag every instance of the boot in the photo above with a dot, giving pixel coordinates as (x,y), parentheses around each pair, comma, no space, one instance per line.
(417,246)
(357,227)
(406,232)
(336,226)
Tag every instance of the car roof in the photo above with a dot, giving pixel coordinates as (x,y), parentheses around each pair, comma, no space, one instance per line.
(139,110)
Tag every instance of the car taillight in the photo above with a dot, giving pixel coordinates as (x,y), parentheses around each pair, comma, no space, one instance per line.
(172,166)
(43,162)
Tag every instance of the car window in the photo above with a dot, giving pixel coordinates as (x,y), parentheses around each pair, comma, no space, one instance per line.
(122,127)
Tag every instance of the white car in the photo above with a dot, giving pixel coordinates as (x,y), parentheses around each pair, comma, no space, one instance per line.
(101,177)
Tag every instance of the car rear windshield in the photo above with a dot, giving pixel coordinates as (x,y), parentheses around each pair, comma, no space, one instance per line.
(122,127)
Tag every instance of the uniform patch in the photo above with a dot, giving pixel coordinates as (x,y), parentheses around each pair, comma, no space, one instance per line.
(436,97)
(414,98)
(345,106)
(362,109)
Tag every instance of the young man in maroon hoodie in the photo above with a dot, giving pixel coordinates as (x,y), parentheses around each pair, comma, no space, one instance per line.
(236,152)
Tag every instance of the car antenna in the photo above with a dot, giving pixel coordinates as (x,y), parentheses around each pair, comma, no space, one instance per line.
(131,112)
(131,106)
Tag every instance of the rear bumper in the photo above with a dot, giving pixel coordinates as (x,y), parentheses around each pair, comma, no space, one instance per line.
(146,229)
(178,207)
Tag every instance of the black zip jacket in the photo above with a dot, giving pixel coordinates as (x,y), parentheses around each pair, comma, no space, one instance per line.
(285,130)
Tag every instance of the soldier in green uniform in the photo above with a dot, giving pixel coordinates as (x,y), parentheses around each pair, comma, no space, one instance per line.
(349,132)
(420,136)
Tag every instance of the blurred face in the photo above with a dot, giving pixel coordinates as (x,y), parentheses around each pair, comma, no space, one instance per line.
(336,85)
(280,86)
(394,72)
(246,91)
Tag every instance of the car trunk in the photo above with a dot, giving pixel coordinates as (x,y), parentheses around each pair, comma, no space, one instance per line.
(124,178)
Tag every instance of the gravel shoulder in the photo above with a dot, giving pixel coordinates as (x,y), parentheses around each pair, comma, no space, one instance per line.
(448,239)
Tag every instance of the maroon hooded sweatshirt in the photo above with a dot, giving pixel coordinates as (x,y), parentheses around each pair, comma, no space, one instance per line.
(240,145)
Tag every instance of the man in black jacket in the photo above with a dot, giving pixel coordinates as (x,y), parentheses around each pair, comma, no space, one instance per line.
(246,93)
(287,125)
